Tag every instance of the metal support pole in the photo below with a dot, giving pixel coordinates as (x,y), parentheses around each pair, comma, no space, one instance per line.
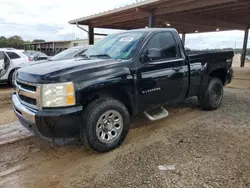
(53,49)
(100,34)
(91,35)
(244,50)
(183,38)
(151,20)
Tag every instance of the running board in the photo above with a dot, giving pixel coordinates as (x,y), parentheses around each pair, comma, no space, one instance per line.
(160,115)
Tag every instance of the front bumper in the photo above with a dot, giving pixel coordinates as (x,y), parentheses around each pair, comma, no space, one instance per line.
(60,126)
(229,76)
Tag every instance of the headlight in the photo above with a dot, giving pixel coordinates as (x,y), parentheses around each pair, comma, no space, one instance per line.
(58,95)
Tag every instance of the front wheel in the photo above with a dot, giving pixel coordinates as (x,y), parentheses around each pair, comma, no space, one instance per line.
(106,122)
(213,96)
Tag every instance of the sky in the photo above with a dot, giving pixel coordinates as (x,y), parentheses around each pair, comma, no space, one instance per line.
(48,20)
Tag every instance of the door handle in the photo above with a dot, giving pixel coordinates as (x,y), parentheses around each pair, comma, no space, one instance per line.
(177,69)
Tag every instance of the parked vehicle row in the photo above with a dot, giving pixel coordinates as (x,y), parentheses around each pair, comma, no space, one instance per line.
(92,98)
(12,59)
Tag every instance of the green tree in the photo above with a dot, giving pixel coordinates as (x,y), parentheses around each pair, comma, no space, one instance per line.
(14,42)
(3,42)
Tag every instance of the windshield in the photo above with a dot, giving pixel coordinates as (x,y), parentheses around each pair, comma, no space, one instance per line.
(118,46)
(69,53)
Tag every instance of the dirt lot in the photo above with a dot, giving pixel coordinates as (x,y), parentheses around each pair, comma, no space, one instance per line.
(208,149)
(6,112)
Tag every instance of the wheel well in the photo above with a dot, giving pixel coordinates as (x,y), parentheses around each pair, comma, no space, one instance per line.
(13,70)
(219,73)
(118,94)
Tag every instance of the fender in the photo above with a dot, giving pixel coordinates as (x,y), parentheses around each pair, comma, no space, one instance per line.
(218,65)
(116,81)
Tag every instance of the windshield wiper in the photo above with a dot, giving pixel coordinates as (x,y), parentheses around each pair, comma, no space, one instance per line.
(100,55)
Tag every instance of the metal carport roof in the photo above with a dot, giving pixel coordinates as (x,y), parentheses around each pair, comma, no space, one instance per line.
(187,16)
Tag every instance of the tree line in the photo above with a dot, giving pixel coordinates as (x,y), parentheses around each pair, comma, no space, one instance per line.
(239,51)
(15,42)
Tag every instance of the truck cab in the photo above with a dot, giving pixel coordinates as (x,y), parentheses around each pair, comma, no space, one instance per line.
(92,98)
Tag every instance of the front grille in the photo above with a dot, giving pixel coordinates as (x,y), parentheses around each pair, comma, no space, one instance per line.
(27,87)
(28,94)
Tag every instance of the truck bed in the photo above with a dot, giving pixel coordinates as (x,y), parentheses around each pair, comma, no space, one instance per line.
(208,54)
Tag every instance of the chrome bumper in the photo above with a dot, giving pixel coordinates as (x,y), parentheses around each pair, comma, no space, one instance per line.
(23,111)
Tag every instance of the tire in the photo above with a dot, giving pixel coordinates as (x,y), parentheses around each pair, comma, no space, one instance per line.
(12,77)
(213,96)
(104,134)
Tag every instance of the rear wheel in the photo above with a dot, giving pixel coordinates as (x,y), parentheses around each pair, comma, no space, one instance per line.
(106,122)
(213,96)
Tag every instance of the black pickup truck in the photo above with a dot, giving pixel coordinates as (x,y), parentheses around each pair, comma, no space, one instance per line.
(91,99)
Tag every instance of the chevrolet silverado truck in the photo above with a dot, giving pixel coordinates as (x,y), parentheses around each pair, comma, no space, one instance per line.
(91,99)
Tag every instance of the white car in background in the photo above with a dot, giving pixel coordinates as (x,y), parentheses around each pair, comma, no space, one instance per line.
(10,61)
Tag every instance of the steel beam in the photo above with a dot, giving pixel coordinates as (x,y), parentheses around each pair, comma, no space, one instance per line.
(201,21)
(190,5)
(244,50)
(100,34)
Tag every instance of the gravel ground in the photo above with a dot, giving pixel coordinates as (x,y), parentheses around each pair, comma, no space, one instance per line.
(208,149)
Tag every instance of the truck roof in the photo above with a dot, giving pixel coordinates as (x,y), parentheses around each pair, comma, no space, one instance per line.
(147,30)
(154,29)
(150,30)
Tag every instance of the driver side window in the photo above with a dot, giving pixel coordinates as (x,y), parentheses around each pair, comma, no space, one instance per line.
(165,42)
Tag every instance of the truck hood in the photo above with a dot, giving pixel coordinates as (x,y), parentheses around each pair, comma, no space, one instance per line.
(61,70)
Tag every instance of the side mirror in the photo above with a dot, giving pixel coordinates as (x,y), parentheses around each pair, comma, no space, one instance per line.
(154,53)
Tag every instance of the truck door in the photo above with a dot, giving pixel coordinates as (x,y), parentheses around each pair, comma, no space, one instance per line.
(163,79)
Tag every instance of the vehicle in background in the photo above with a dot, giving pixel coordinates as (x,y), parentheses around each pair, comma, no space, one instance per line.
(70,53)
(7,48)
(35,55)
(10,61)
(93,98)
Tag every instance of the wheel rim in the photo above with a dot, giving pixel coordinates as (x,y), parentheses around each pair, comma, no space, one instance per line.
(109,126)
(216,94)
